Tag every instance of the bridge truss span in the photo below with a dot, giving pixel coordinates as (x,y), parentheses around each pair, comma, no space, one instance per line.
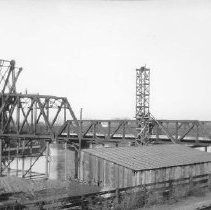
(28,122)
(117,132)
(31,115)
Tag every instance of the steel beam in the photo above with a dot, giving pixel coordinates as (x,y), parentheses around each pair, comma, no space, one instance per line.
(28,118)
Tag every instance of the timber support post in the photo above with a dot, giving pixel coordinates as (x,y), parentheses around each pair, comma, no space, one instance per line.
(0,157)
(76,163)
(47,160)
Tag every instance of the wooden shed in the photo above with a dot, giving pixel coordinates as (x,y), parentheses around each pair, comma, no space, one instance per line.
(122,167)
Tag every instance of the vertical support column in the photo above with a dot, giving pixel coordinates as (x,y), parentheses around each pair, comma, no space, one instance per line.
(30,172)
(47,109)
(197,133)
(65,148)
(17,157)
(65,113)
(184,127)
(32,118)
(157,132)
(1,115)
(23,161)
(12,69)
(46,159)
(167,125)
(176,130)
(35,117)
(123,130)
(76,164)
(116,167)
(80,130)
(68,129)
(0,157)
(18,114)
(8,168)
(109,130)
(94,132)
(80,142)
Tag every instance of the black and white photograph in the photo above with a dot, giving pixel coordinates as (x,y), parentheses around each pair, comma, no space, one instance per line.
(105,104)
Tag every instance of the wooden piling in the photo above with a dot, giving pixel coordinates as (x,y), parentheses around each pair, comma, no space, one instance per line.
(0,157)
(23,161)
(46,159)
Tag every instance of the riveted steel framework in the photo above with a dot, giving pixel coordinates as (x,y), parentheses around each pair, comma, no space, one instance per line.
(28,122)
(118,132)
(9,74)
(142,104)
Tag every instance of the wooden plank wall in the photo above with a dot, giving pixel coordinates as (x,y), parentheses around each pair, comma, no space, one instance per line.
(172,173)
(103,173)
(108,175)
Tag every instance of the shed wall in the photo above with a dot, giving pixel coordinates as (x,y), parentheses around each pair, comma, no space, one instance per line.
(106,174)
(172,173)
(109,175)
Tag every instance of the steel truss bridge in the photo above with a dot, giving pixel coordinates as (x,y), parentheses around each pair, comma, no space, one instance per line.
(30,122)
(120,132)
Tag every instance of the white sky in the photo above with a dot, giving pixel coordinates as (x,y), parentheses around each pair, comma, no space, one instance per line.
(88,51)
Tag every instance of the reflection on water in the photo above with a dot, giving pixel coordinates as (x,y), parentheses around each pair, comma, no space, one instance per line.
(61,163)
(38,167)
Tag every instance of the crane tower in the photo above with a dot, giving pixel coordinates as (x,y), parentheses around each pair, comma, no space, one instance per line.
(142,105)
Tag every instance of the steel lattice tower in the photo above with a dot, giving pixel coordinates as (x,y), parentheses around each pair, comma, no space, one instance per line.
(142,104)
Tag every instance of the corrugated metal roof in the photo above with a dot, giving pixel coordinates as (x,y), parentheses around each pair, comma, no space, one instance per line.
(151,157)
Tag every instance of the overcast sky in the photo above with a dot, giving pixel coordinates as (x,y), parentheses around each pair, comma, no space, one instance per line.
(88,51)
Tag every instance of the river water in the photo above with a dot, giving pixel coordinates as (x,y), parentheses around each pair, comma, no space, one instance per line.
(61,164)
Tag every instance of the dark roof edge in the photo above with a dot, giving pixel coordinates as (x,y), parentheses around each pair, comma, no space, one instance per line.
(148,169)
